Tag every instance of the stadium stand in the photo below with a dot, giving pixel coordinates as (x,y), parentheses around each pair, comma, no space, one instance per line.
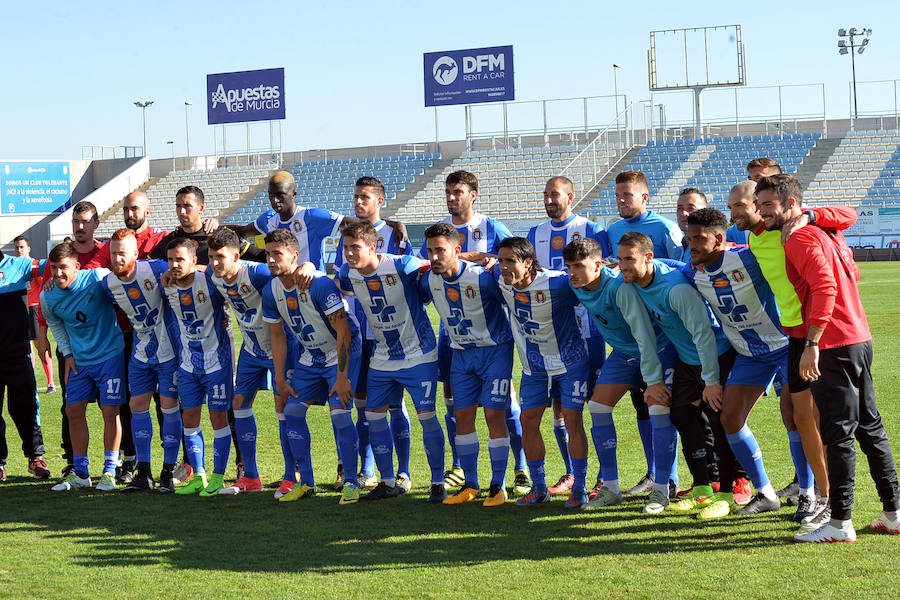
(222,188)
(329,184)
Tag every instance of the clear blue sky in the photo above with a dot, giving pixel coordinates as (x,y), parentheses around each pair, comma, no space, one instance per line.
(71,71)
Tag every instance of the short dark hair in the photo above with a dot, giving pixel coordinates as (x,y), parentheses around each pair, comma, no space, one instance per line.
(63,251)
(784,186)
(523,250)
(191,189)
(445,230)
(692,190)
(636,239)
(360,230)
(372,183)
(283,237)
(581,248)
(464,177)
(633,177)
(764,163)
(709,218)
(224,238)
(85,206)
(570,187)
(186,243)
(20,238)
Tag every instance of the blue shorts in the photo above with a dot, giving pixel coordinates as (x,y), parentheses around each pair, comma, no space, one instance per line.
(252,374)
(759,371)
(571,387)
(312,384)
(386,387)
(102,381)
(620,368)
(367,347)
(481,377)
(216,388)
(445,355)
(145,379)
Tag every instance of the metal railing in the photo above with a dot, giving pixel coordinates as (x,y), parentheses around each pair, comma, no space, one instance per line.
(601,155)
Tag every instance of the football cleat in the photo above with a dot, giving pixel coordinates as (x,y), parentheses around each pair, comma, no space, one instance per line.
(695,500)
(883,523)
(644,486)
(820,517)
(350,494)
(454,476)
(741,491)
(403,483)
(720,507)
(243,485)
(437,494)
(759,504)
(166,483)
(533,497)
(496,496)
(286,486)
(216,483)
(339,480)
(827,533)
(107,482)
(466,494)
(366,482)
(577,499)
(183,472)
(37,466)
(656,503)
(522,483)
(603,497)
(806,507)
(564,485)
(72,482)
(196,485)
(139,483)
(299,491)
(382,491)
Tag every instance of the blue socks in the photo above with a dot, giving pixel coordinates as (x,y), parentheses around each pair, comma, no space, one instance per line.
(579,473)
(805,476)
(665,443)
(193,441)
(290,463)
(110,461)
(171,434)
(645,430)
(299,438)
(366,458)
(746,449)
(221,449)
(382,445)
(400,431)
(245,427)
(603,433)
(142,433)
(433,440)
(538,476)
(498,449)
(450,422)
(562,440)
(514,426)
(81,465)
(347,441)
(467,446)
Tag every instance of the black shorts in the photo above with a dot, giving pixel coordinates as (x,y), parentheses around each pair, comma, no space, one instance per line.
(687,385)
(796,346)
(32,322)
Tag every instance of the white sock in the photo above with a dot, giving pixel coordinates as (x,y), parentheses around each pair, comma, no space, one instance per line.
(844,525)
(768,491)
(808,492)
(389,481)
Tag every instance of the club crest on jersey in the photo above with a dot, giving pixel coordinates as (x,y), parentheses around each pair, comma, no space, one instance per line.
(186,299)
(737,275)
(558,242)
(291,302)
(374,285)
(470,292)
(390,280)
(297,226)
(380,243)
(721,282)
(245,289)
(453,294)
(476,234)
(134,293)
(302,297)
(201,297)
(575,235)
(539,297)
(148,285)
(2,276)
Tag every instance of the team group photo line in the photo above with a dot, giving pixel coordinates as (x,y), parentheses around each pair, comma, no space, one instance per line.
(703,317)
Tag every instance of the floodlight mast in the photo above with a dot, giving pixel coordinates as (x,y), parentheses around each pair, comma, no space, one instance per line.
(143,106)
(849,46)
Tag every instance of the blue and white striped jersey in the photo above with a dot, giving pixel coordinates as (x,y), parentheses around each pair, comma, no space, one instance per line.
(550,237)
(202,325)
(684,317)
(480,234)
(622,319)
(245,296)
(384,244)
(471,306)
(309,225)
(143,301)
(742,301)
(305,314)
(393,307)
(544,326)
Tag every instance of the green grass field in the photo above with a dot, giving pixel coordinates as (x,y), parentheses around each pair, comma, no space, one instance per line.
(90,544)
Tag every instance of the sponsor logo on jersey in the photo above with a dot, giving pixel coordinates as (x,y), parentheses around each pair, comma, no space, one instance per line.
(232,292)
(332,299)
(522,297)
(470,292)
(291,302)
(462,239)
(186,299)
(374,284)
(134,293)
(558,242)
(453,294)
(720,282)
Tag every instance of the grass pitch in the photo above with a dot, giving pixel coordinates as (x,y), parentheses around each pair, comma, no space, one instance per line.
(90,544)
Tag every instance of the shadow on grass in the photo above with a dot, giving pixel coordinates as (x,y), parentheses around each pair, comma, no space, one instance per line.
(255,533)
